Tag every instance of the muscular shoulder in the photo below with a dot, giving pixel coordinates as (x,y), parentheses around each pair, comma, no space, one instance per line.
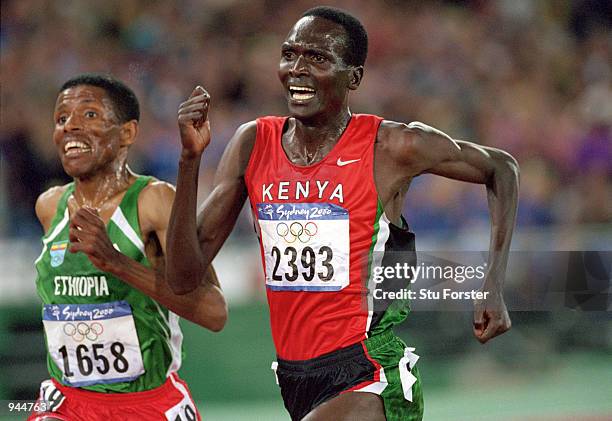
(155,205)
(245,138)
(157,193)
(238,151)
(46,205)
(412,135)
(391,132)
(398,140)
(247,130)
(413,143)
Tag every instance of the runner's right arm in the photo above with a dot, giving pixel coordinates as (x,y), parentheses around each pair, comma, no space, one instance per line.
(204,306)
(192,242)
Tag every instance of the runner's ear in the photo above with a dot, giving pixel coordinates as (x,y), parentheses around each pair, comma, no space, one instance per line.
(355,76)
(128,133)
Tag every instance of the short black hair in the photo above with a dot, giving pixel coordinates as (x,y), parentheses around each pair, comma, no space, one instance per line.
(357,35)
(123,98)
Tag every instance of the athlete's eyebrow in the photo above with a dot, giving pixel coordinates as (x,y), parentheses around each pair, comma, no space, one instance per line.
(80,100)
(314,50)
(88,101)
(306,49)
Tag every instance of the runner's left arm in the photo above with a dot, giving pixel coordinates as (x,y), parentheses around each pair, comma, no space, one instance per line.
(204,306)
(424,149)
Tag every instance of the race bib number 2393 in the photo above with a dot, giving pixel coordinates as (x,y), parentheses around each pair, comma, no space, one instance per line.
(305,245)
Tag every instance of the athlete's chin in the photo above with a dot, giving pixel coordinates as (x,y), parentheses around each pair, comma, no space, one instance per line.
(303,111)
(75,170)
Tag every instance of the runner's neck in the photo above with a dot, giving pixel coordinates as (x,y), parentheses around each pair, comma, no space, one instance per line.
(321,131)
(95,191)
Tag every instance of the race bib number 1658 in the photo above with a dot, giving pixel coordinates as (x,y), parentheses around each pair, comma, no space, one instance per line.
(305,245)
(93,343)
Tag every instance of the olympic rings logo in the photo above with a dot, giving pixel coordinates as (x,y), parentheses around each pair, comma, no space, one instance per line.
(296,231)
(82,330)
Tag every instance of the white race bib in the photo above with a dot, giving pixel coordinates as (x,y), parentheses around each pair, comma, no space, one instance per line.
(93,343)
(306,246)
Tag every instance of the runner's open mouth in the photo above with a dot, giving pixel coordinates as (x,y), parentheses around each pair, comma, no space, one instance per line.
(75,147)
(301,93)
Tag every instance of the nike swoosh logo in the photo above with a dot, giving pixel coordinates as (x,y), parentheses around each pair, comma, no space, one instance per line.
(342,163)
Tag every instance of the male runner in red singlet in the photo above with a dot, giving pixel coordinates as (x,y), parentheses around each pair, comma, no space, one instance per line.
(326,189)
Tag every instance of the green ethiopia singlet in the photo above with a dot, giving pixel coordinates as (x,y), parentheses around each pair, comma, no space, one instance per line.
(102,334)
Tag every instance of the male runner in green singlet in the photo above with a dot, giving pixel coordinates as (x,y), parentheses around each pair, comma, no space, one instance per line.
(111,321)
(326,187)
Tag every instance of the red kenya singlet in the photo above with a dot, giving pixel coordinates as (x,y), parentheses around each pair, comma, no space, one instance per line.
(318,227)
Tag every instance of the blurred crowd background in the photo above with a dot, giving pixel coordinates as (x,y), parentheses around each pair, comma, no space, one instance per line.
(531,77)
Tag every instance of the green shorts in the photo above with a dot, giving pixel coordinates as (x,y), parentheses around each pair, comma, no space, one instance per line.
(394,356)
(382,365)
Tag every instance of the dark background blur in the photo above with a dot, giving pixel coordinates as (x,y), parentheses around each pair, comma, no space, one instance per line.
(531,77)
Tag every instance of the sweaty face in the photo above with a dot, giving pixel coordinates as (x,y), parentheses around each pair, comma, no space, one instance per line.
(87,130)
(312,68)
